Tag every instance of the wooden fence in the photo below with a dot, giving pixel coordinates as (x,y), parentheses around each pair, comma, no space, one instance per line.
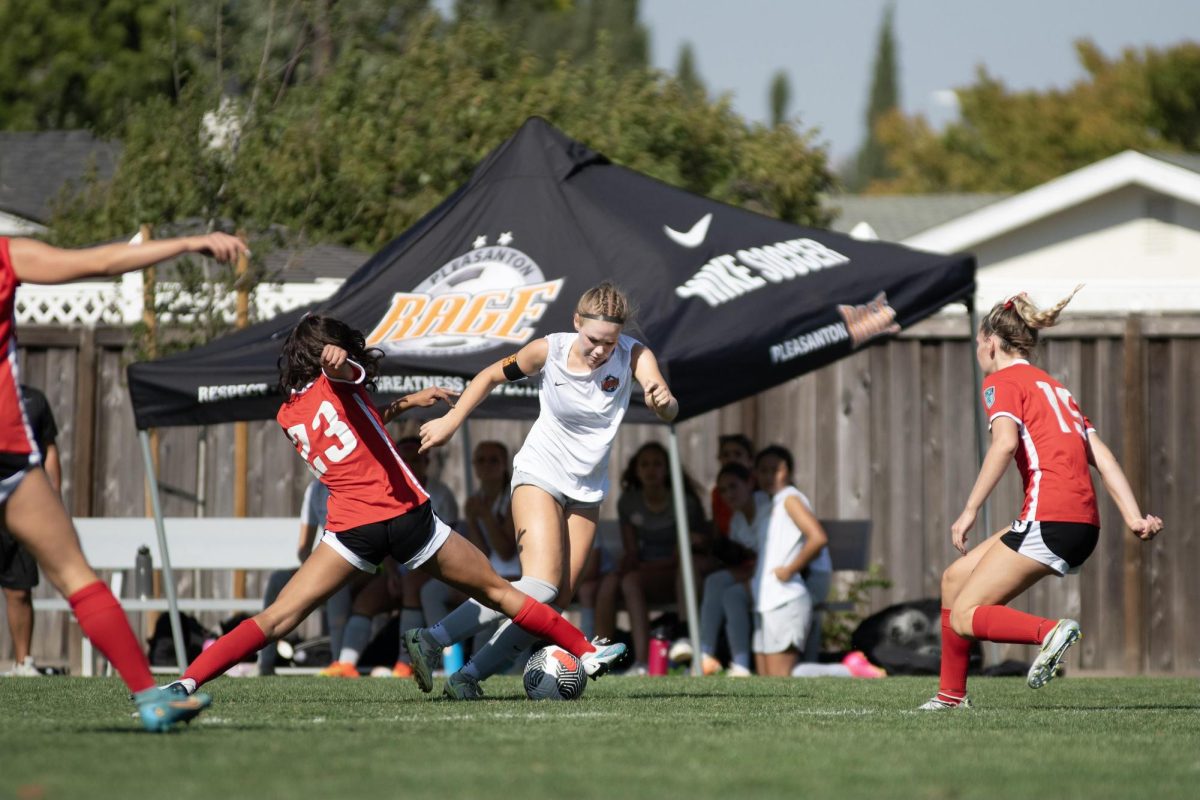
(886,434)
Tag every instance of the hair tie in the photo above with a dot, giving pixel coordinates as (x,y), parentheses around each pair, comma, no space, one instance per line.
(1008,304)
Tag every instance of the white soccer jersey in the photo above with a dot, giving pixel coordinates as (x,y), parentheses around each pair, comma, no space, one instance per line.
(569,444)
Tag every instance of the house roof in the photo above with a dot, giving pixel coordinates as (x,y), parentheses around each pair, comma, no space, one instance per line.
(894,218)
(36,167)
(1176,176)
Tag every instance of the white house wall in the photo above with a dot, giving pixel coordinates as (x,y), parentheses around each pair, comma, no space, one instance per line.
(1130,261)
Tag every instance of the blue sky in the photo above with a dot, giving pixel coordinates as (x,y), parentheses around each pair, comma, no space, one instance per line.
(827,48)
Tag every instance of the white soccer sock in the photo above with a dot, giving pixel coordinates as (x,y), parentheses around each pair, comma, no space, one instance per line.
(354,638)
(189,684)
(469,618)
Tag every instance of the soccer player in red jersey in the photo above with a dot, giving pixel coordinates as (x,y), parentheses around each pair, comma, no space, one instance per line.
(33,511)
(376,507)
(1035,419)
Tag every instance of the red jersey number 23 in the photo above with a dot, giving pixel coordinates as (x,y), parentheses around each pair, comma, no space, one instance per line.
(334,428)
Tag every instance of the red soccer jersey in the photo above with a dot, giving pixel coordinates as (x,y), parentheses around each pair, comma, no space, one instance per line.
(337,430)
(1052,455)
(15,434)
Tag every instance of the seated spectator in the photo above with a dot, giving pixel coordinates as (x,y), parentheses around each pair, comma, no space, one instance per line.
(726,591)
(489,527)
(337,607)
(791,547)
(395,585)
(732,448)
(649,570)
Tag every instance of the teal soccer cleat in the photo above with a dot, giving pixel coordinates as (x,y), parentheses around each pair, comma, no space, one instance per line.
(161,708)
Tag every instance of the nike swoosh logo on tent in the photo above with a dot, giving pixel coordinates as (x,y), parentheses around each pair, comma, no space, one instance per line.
(694,237)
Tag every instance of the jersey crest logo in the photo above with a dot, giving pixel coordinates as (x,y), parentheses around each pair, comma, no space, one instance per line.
(610,383)
(989,396)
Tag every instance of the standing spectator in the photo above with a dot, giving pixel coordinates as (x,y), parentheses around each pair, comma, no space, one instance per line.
(18,569)
(650,565)
(791,545)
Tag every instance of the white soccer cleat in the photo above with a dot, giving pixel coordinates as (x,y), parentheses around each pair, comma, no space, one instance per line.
(600,660)
(24,669)
(1048,663)
(461,686)
(937,704)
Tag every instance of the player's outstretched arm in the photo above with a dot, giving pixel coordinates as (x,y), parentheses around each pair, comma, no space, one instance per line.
(529,360)
(658,396)
(38,262)
(1145,526)
(422,399)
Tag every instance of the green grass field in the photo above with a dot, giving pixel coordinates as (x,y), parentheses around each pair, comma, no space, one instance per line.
(626,738)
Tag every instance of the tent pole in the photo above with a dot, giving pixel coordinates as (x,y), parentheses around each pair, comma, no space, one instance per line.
(168,575)
(685,550)
(981,426)
(468,476)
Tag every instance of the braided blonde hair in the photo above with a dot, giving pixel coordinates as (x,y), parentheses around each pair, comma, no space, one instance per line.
(606,302)
(1017,320)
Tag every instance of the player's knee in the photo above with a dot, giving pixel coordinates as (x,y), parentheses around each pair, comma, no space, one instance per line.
(952,580)
(960,620)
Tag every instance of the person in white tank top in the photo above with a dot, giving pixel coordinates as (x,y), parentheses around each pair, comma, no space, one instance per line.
(791,542)
(561,473)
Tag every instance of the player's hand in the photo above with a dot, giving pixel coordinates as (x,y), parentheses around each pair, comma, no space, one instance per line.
(430,397)
(657,396)
(333,358)
(220,246)
(783,574)
(436,432)
(960,528)
(1147,527)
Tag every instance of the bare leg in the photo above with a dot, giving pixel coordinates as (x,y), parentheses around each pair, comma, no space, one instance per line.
(779,664)
(1001,575)
(36,518)
(320,576)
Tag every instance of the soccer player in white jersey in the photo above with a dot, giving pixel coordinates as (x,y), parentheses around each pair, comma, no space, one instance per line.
(560,475)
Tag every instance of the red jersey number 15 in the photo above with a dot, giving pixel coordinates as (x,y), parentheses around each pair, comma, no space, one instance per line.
(1059,398)
(335,428)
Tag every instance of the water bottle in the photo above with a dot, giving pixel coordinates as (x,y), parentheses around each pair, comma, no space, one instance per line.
(143,573)
(453,658)
(660,645)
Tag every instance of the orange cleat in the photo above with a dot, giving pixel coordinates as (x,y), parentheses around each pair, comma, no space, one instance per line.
(339,669)
(402,670)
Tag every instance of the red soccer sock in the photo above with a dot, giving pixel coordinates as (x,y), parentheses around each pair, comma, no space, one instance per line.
(1003,624)
(956,652)
(544,622)
(230,649)
(103,621)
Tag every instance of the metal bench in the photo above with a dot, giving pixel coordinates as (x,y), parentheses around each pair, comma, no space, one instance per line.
(205,543)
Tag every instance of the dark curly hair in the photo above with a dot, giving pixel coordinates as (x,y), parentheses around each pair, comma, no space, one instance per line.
(300,361)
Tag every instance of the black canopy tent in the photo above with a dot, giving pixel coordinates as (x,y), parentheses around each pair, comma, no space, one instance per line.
(731,302)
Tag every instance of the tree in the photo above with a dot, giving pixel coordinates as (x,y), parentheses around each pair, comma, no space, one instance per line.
(81,63)
(1010,141)
(871,164)
(781,97)
(360,154)
(574,29)
(686,72)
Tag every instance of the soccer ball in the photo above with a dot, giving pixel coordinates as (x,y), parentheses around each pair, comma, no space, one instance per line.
(554,674)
